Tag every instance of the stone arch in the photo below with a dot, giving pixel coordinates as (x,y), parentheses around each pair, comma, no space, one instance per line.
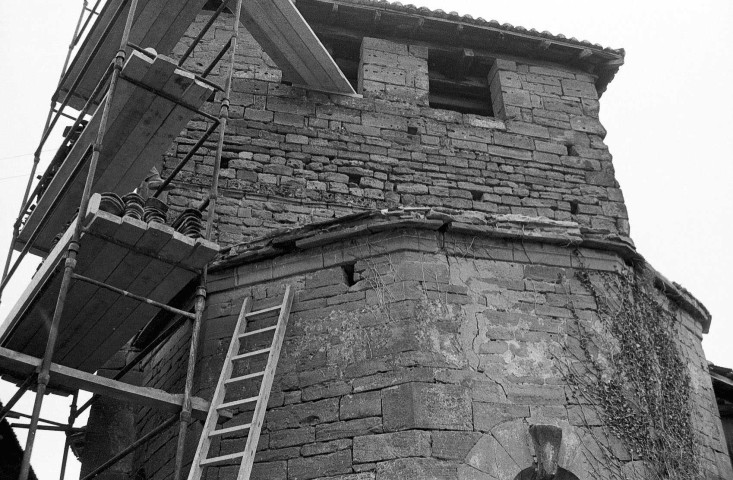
(529,474)
(507,452)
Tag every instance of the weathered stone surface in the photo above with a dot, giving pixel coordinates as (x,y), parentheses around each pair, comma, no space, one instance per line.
(487,415)
(293,416)
(359,405)
(320,466)
(349,428)
(422,468)
(455,342)
(453,445)
(377,448)
(424,405)
(503,453)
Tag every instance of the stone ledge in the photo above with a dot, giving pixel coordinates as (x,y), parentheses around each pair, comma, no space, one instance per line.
(286,244)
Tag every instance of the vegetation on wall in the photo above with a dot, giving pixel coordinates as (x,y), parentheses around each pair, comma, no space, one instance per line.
(628,364)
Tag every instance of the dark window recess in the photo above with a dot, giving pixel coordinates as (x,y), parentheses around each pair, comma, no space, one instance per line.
(349,273)
(574,207)
(458,82)
(346,55)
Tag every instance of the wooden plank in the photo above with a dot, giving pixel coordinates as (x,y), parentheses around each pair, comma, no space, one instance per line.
(115,268)
(79,293)
(282,32)
(129,315)
(85,328)
(265,388)
(167,15)
(120,146)
(202,451)
(136,67)
(204,251)
(127,175)
(189,91)
(64,378)
(158,24)
(96,67)
(41,277)
(140,131)
(104,321)
(321,63)
(32,303)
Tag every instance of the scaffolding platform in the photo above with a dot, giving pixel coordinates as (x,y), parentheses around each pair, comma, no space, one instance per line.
(144,119)
(149,260)
(65,380)
(286,37)
(158,24)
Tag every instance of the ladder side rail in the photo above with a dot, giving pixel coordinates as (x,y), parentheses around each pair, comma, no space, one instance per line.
(218,397)
(253,438)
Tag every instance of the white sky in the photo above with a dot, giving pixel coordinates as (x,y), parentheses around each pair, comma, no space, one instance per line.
(668,113)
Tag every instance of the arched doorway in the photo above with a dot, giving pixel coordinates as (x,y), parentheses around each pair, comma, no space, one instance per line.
(530,474)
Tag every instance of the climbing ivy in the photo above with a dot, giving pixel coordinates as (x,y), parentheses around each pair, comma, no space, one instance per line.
(633,371)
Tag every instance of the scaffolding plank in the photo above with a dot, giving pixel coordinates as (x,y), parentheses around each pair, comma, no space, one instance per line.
(47,275)
(111,269)
(286,37)
(158,24)
(148,272)
(125,253)
(64,379)
(141,127)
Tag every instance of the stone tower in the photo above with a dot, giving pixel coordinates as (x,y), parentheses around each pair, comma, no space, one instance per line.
(469,303)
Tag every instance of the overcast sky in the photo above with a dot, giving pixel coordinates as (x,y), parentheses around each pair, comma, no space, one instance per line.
(668,114)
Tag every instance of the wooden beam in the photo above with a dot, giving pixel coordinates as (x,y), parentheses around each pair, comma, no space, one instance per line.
(460,104)
(459,32)
(465,62)
(67,379)
(376,20)
(417,28)
(585,53)
(611,64)
(333,15)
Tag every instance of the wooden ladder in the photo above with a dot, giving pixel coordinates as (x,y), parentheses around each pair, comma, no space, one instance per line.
(247,456)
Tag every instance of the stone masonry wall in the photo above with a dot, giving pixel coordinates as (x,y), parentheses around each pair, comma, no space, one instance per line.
(430,360)
(294,156)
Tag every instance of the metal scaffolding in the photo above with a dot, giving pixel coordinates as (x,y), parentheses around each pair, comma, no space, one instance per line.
(108,84)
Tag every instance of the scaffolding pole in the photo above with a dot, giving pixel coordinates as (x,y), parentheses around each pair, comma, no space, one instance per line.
(21,390)
(200,299)
(70,264)
(134,446)
(69,431)
(37,155)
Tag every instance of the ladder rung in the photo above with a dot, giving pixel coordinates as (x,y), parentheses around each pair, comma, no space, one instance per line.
(251,354)
(255,332)
(236,403)
(222,459)
(264,310)
(245,377)
(224,431)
